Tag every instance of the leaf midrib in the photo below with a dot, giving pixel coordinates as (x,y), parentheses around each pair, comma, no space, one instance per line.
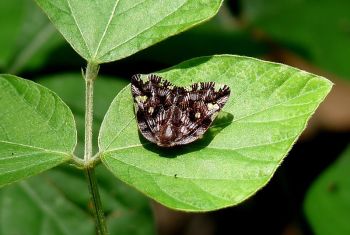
(37,148)
(106,28)
(76,23)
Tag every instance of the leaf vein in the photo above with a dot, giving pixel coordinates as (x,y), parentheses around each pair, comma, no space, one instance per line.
(19,156)
(253,146)
(107,26)
(28,166)
(35,147)
(276,120)
(277,104)
(171,196)
(76,22)
(208,192)
(142,31)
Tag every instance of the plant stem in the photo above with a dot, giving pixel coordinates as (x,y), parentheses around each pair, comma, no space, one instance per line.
(90,76)
(96,202)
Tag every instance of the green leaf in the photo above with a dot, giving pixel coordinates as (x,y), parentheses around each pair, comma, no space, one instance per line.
(323,40)
(38,207)
(104,31)
(37,130)
(327,203)
(267,111)
(27,36)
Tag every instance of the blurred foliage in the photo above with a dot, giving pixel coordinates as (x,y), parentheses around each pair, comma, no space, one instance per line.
(318,30)
(57,203)
(327,204)
(36,206)
(27,36)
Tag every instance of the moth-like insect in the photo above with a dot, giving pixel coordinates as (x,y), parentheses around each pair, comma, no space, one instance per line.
(169,115)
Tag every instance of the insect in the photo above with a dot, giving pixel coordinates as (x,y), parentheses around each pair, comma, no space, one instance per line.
(169,115)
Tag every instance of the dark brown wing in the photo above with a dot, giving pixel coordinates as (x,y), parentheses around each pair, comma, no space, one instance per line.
(168,115)
(153,98)
(199,107)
